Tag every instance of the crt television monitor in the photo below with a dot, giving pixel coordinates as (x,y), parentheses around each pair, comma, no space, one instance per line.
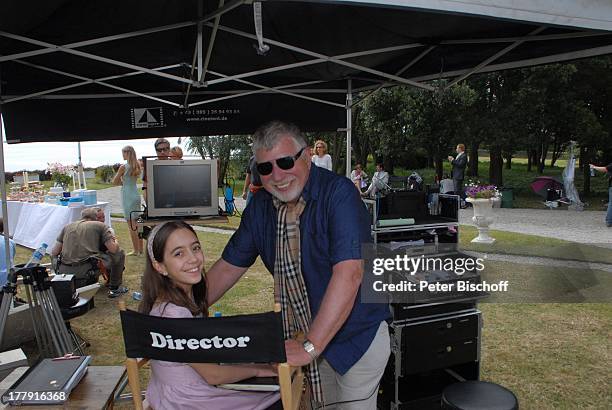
(182,188)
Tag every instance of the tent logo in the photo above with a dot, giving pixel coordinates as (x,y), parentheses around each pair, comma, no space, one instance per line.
(148,117)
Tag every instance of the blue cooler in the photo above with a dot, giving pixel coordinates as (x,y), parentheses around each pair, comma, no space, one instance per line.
(90,197)
(78,192)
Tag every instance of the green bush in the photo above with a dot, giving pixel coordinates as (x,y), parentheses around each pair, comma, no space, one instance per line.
(105,173)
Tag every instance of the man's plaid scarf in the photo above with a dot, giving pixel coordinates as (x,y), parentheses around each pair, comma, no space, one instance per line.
(289,287)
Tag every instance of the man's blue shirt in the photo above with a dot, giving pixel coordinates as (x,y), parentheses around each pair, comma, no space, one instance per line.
(333,226)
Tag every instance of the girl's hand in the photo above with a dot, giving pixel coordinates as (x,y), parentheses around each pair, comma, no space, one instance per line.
(266,370)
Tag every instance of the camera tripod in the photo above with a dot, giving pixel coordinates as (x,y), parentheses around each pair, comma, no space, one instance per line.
(51,333)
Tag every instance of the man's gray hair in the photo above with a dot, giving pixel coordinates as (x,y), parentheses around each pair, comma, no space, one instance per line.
(267,136)
(89,214)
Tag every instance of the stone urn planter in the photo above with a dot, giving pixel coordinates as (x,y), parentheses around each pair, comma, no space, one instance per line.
(483,217)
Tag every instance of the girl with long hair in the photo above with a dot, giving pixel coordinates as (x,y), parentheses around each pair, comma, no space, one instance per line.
(130,196)
(174,286)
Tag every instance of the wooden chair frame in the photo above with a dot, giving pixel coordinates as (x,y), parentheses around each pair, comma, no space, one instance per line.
(291,379)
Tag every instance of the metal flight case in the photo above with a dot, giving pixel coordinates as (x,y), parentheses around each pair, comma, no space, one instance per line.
(435,338)
(439,346)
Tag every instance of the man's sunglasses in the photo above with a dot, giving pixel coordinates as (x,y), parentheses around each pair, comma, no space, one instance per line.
(265,168)
(162,149)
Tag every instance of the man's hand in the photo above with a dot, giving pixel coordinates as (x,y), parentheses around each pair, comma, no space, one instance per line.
(244,195)
(450,158)
(296,355)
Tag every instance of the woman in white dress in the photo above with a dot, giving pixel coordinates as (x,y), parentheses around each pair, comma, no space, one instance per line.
(321,158)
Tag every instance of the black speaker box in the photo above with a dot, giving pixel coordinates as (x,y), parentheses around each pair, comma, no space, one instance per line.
(65,290)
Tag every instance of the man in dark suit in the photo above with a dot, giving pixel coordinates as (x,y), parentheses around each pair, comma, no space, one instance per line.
(458,173)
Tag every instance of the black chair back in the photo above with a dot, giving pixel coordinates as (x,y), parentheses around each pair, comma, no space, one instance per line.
(255,338)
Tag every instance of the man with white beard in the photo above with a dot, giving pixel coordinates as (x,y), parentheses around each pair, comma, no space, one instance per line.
(308,226)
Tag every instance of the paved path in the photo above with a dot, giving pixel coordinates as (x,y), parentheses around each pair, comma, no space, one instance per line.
(583,227)
(112,195)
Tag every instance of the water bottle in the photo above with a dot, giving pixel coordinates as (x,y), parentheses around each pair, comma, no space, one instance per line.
(137,295)
(37,256)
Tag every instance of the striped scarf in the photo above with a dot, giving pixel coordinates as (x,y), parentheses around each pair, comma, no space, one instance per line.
(289,287)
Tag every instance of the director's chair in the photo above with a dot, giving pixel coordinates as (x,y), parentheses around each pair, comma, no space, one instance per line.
(265,344)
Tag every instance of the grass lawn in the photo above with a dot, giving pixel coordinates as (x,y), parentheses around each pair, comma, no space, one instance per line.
(553,356)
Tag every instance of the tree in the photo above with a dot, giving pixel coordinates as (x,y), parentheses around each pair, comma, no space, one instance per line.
(361,136)
(384,125)
(593,84)
(547,105)
(494,122)
(219,147)
(437,121)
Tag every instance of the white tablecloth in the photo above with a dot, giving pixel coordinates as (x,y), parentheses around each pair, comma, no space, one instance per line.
(34,223)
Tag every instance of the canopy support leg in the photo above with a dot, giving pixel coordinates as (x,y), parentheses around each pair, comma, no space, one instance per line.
(349,125)
(7,247)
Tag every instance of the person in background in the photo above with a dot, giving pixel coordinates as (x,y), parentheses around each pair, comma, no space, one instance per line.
(252,181)
(358,176)
(176,153)
(85,240)
(380,181)
(130,197)
(101,217)
(321,158)
(608,170)
(162,149)
(4,266)
(447,186)
(308,226)
(174,287)
(458,172)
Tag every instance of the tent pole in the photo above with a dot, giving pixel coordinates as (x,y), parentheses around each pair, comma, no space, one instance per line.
(349,125)
(5,217)
(81,173)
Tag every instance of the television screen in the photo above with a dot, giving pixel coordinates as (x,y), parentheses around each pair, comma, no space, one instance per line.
(181,188)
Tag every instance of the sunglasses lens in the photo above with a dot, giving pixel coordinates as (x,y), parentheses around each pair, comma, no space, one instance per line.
(285,163)
(265,168)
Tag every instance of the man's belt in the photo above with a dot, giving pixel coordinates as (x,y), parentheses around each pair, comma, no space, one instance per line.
(85,262)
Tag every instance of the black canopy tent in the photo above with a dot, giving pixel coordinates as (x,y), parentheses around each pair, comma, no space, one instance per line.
(75,70)
(93,70)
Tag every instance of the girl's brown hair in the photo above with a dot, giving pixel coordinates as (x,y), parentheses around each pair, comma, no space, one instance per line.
(157,288)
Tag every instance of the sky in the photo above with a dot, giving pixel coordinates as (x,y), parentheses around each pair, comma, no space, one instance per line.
(36,155)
